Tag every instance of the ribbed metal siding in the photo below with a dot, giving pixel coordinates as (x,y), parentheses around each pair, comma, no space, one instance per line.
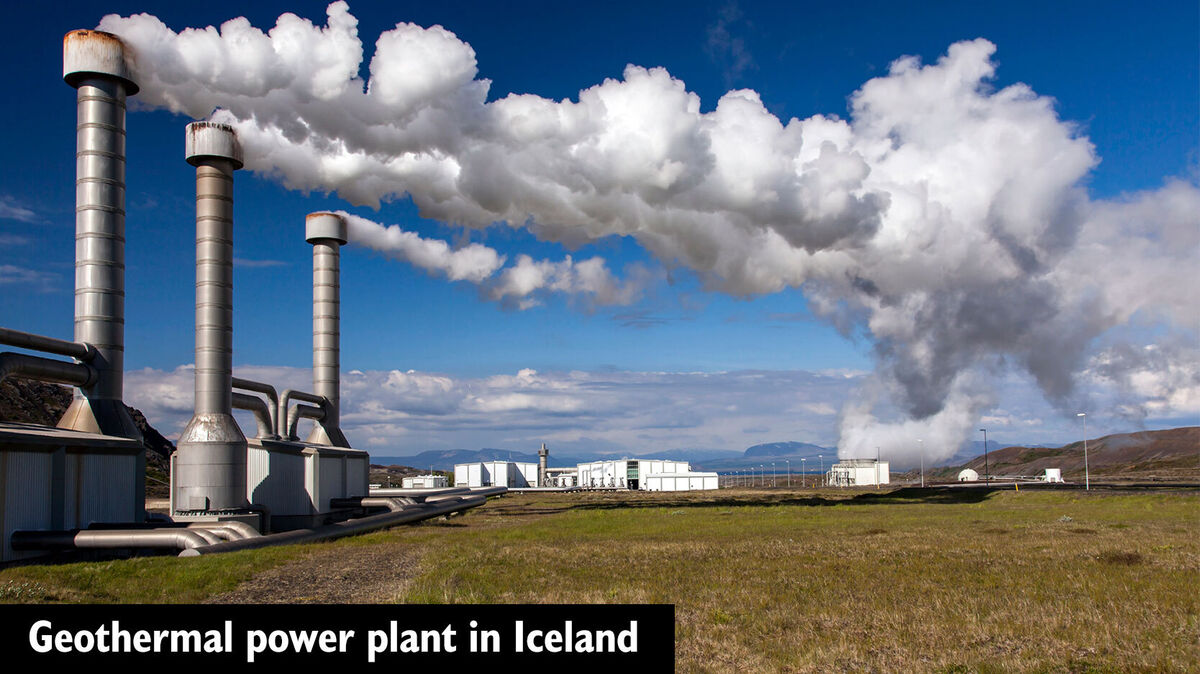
(100,488)
(357,469)
(26,479)
(276,480)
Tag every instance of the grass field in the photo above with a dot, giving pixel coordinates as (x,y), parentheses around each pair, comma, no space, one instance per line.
(778,580)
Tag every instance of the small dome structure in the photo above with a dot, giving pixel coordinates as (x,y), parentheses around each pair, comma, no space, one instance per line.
(968,475)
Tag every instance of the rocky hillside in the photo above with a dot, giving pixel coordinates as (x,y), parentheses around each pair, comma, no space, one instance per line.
(1168,454)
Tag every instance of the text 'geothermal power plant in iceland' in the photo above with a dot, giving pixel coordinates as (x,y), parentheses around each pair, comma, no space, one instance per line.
(81,485)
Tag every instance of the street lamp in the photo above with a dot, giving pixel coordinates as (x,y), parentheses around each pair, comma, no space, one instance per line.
(986,471)
(921,444)
(762,475)
(877,466)
(772,473)
(821,458)
(789,468)
(1087,482)
(803,473)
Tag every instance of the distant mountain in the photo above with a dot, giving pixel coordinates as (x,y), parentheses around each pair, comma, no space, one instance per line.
(786,450)
(1169,454)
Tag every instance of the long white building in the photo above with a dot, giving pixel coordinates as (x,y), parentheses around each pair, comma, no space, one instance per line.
(496,474)
(643,474)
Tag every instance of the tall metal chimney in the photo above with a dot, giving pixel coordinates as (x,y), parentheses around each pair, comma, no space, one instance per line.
(210,463)
(95,64)
(543,455)
(327,232)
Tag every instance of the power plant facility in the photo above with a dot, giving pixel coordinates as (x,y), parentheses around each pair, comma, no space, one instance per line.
(858,473)
(81,485)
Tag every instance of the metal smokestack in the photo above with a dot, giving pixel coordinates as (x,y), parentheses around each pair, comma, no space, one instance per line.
(543,456)
(327,232)
(210,462)
(95,64)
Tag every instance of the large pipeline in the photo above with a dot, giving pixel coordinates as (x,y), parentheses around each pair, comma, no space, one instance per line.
(45,369)
(403,515)
(60,347)
(265,389)
(262,414)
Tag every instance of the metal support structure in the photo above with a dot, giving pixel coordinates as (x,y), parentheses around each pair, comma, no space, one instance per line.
(94,63)
(327,233)
(210,461)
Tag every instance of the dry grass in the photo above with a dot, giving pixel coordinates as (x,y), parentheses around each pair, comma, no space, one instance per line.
(792,583)
(937,580)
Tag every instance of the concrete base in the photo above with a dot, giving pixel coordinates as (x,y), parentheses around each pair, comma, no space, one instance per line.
(53,479)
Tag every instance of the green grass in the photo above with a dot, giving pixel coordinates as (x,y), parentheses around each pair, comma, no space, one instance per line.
(139,580)
(915,580)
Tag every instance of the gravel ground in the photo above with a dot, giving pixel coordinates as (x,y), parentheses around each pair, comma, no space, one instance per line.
(353,574)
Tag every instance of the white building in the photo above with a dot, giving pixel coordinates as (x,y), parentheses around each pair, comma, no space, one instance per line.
(640,474)
(968,475)
(680,481)
(425,482)
(496,474)
(1053,475)
(858,472)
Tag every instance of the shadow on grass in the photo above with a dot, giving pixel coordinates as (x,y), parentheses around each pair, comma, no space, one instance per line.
(929,495)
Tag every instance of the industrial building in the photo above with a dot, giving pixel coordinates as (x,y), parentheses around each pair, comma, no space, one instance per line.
(81,485)
(858,473)
(496,474)
(425,482)
(643,474)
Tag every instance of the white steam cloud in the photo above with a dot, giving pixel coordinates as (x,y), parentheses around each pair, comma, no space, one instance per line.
(520,285)
(946,220)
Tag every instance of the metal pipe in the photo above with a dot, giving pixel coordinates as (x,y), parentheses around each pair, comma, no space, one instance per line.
(284,413)
(45,369)
(211,455)
(60,347)
(179,539)
(227,529)
(360,525)
(268,391)
(262,413)
(327,233)
(314,412)
(418,494)
(94,63)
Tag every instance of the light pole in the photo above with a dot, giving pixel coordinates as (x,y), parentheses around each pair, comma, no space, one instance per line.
(789,468)
(772,473)
(921,444)
(762,475)
(1087,481)
(986,471)
(821,458)
(877,466)
(803,473)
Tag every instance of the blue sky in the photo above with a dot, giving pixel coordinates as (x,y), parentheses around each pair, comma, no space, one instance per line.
(1126,74)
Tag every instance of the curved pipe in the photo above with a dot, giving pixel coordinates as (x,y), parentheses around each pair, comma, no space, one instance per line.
(61,347)
(412,513)
(418,494)
(262,414)
(305,411)
(268,391)
(392,504)
(46,369)
(284,413)
(179,539)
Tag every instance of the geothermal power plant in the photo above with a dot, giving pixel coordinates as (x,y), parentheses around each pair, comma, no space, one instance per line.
(81,485)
